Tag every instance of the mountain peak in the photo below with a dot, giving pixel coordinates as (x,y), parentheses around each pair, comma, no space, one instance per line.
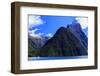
(62,28)
(65,42)
(76,26)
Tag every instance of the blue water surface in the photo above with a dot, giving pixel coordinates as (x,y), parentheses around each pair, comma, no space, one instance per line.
(55,58)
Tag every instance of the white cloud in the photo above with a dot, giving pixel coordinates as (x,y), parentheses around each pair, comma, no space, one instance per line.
(34,34)
(35,21)
(49,35)
(83,21)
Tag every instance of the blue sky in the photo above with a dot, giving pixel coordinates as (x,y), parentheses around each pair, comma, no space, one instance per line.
(47,25)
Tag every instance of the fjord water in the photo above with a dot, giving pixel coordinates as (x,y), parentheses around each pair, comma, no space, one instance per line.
(56,58)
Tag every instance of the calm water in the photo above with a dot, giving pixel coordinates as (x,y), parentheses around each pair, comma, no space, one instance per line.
(55,58)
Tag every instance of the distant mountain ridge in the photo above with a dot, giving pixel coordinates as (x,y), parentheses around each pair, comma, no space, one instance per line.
(35,43)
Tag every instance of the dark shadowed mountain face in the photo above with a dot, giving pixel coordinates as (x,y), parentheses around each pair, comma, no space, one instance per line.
(78,32)
(69,41)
